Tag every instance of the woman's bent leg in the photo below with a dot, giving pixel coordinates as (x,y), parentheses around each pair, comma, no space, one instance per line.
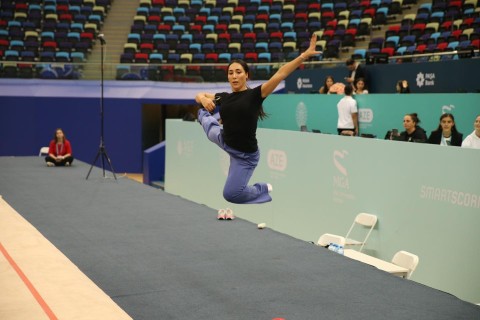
(211,127)
(236,188)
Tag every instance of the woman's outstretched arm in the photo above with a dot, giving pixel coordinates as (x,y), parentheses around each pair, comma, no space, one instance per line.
(288,68)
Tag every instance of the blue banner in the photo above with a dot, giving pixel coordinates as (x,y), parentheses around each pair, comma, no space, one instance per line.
(431,77)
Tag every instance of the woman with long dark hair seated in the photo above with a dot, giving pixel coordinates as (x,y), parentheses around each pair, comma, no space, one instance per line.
(446,133)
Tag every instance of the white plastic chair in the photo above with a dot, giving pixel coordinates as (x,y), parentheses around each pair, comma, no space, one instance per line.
(363,219)
(43,151)
(327,238)
(407,260)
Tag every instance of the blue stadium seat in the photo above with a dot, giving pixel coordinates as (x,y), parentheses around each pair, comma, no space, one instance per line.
(27,56)
(208,28)
(17,45)
(224,57)
(133,38)
(359,54)
(208,48)
(173,58)
(264,57)
(238,56)
(62,57)
(195,48)
(275,47)
(186,38)
(401,50)
(11,55)
(286,27)
(156,58)
(246,27)
(261,47)
(392,42)
(77,57)
(198,58)
(47,56)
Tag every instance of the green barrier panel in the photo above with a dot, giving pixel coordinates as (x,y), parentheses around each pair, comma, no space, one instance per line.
(378,113)
(426,197)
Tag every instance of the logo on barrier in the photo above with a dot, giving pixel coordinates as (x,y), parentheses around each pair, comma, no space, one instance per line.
(448,109)
(304,83)
(420,79)
(454,197)
(277,160)
(365,115)
(425,79)
(299,83)
(185,148)
(301,114)
(337,156)
(341,182)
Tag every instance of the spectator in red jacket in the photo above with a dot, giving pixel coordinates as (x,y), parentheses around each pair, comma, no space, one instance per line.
(60,151)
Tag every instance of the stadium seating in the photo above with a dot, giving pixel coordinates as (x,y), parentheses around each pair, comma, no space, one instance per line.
(48,31)
(218,31)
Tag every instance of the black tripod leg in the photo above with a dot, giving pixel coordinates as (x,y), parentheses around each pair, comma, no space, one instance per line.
(93,163)
(110,163)
(103,162)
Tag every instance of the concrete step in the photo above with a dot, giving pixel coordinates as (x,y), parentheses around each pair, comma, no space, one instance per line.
(116,29)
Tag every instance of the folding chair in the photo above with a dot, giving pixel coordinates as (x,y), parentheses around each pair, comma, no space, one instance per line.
(362,219)
(43,151)
(327,238)
(407,260)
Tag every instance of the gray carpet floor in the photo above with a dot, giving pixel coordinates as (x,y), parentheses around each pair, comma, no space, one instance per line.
(163,257)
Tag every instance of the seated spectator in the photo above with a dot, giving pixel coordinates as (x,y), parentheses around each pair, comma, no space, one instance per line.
(325,89)
(360,87)
(413,132)
(60,151)
(473,139)
(402,86)
(446,133)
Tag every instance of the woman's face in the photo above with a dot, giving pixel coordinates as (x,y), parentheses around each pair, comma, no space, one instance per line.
(408,123)
(447,124)
(237,77)
(476,125)
(329,82)
(59,135)
(360,85)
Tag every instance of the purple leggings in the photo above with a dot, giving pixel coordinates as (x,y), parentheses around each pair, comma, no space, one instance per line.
(242,165)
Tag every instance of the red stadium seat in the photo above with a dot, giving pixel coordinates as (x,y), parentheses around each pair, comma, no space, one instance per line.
(224,37)
(141,58)
(389,51)
(251,57)
(211,57)
(146,47)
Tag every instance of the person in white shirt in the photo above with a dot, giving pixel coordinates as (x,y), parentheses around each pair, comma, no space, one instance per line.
(473,139)
(347,114)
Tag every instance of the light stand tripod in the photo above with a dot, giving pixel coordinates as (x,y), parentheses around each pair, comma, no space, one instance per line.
(101,151)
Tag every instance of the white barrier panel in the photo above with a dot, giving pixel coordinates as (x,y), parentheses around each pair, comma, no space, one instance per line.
(426,197)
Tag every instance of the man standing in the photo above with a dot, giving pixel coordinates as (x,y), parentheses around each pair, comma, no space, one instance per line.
(347,114)
(355,71)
